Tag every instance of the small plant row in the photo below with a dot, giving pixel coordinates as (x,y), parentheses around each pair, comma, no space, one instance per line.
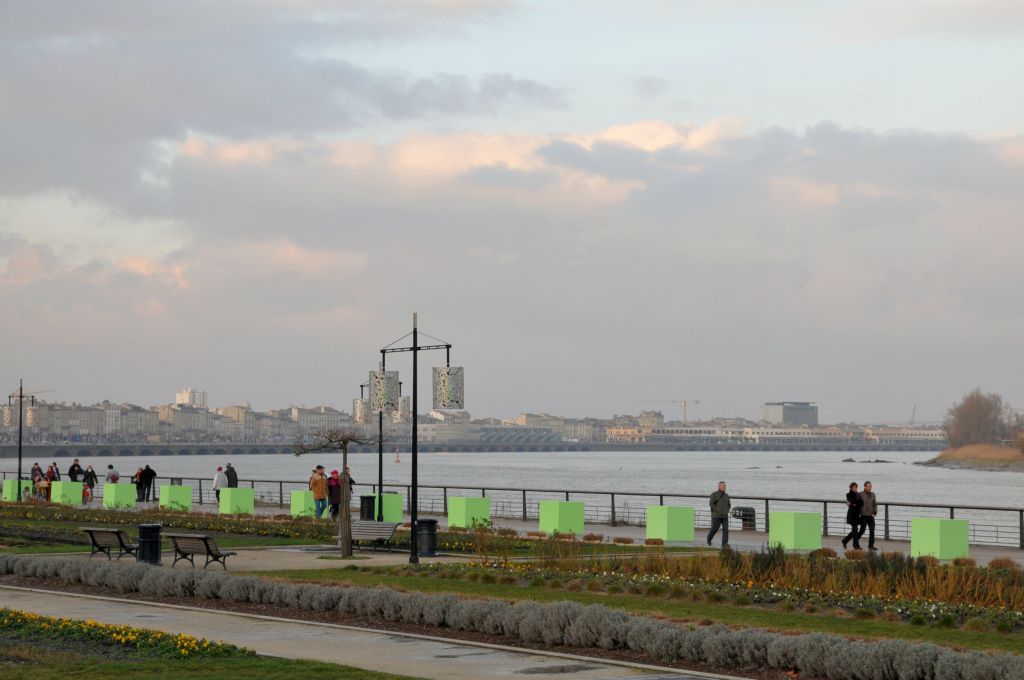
(555,624)
(16,623)
(742,593)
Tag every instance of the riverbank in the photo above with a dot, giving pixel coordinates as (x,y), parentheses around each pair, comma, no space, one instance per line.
(979,457)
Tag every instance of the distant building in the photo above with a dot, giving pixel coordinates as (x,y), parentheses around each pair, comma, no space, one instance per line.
(651,419)
(792,413)
(190,396)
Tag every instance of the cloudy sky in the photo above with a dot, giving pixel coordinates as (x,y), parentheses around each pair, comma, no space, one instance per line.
(596,202)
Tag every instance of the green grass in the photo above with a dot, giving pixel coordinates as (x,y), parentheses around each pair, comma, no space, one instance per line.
(724,612)
(29,662)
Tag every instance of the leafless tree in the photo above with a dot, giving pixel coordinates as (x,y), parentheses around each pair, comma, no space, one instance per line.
(979,418)
(338,440)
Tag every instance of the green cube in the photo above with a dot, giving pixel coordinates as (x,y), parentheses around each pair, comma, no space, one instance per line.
(564,517)
(467,512)
(237,501)
(66,493)
(670,523)
(945,539)
(175,497)
(795,530)
(392,507)
(119,495)
(11,489)
(302,504)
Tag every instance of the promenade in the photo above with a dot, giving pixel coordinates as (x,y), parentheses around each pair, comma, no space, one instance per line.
(402,654)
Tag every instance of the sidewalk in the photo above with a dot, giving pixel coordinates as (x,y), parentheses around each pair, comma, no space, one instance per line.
(417,656)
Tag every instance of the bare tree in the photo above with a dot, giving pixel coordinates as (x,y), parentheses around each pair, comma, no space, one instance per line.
(338,440)
(979,418)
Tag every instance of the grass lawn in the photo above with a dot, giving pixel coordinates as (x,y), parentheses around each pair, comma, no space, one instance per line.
(21,661)
(727,613)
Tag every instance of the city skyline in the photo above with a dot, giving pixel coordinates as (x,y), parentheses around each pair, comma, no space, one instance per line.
(597,204)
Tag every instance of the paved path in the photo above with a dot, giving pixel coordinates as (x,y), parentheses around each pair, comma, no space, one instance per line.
(418,656)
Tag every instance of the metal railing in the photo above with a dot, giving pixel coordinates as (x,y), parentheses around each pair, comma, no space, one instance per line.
(989,525)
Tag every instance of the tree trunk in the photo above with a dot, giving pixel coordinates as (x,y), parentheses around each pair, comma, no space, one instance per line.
(345,511)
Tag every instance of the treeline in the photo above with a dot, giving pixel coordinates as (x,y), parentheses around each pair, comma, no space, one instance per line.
(984,418)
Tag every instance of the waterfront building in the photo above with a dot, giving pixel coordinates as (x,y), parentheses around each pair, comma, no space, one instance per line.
(190,396)
(792,413)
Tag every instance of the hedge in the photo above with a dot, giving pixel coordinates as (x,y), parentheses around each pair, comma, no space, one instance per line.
(830,657)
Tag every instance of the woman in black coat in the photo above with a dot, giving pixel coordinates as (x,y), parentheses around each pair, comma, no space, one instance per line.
(853,503)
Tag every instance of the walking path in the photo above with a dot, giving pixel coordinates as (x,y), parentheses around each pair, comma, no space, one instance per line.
(402,654)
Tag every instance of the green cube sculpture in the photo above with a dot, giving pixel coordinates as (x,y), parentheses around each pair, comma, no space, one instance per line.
(237,501)
(670,523)
(11,489)
(795,530)
(392,507)
(467,512)
(302,504)
(564,517)
(945,539)
(119,495)
(175,497)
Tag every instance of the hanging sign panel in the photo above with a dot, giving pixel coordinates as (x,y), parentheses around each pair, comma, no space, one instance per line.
(449,387)
(360,411)
(384,391)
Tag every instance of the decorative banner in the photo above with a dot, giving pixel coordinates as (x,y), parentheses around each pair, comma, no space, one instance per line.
(384,391)
(360,411)
(449,387)
(403,414)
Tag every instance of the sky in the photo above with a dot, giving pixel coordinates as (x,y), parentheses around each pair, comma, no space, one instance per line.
(598,204)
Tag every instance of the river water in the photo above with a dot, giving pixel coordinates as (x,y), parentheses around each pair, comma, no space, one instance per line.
(778,474)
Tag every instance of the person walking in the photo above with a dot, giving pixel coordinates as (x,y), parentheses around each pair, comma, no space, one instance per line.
(318,485)
(89,480)
(334,494)
(232,476)
(74,471)
(720,506)
(148,475)
(868,510)
(220,481)
(853,506)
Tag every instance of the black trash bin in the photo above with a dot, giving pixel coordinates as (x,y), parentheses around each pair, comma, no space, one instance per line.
(427,537)
(747,516)
(366,508)
(149,544)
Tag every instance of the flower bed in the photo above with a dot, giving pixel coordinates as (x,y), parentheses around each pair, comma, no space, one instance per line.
(146,642)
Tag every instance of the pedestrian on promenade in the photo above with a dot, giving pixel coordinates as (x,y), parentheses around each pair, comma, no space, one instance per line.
(853,506)
(112,475)
(220,481)
(720,506)
(867,515)
(37,473)
(137,481)
(318,485)
(334,494)
(148,475)
(74,471)
(89,480)
(232,476)
(56,472)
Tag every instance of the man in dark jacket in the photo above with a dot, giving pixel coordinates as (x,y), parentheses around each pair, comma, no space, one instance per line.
(146,479)
(720,506)
(867,515)
(232,476)
(74,471)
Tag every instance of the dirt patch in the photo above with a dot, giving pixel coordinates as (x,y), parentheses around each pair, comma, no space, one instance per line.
(347,620)
(980,457)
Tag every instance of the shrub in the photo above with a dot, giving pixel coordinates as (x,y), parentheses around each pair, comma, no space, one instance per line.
(622,540)
(977,624)
(593,538)
(856,554)
(654,541)
(965,563)
(536,581)
(654,590)
(574,585)
(1007,563)
(786,605)
(822,553)
(918,620)
(742,600)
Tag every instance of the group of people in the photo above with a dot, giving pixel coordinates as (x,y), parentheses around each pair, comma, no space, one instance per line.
(42,480)
(327,490)
(225,478)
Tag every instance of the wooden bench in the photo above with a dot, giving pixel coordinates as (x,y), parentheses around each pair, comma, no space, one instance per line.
(374,532)
(105,540)
(187,546)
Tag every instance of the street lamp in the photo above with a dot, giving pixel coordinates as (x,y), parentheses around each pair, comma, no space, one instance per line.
(20,396)
(452,381)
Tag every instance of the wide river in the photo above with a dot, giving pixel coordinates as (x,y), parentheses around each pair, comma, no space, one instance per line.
(796,474)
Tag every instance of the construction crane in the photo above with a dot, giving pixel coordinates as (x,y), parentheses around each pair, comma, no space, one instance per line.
(684,402)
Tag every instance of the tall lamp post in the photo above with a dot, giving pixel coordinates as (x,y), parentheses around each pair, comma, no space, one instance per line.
(20,396)
(416,348)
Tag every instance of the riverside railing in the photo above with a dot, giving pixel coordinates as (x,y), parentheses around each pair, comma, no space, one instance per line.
(989,525)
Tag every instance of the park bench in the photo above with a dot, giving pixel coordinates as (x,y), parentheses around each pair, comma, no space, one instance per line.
(105,540)
(187,546)
(374,532)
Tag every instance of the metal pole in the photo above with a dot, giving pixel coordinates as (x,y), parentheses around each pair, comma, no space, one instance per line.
(380,458)
(824,514)
(613,509)
(21,398)
(414,545)
(887,522)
